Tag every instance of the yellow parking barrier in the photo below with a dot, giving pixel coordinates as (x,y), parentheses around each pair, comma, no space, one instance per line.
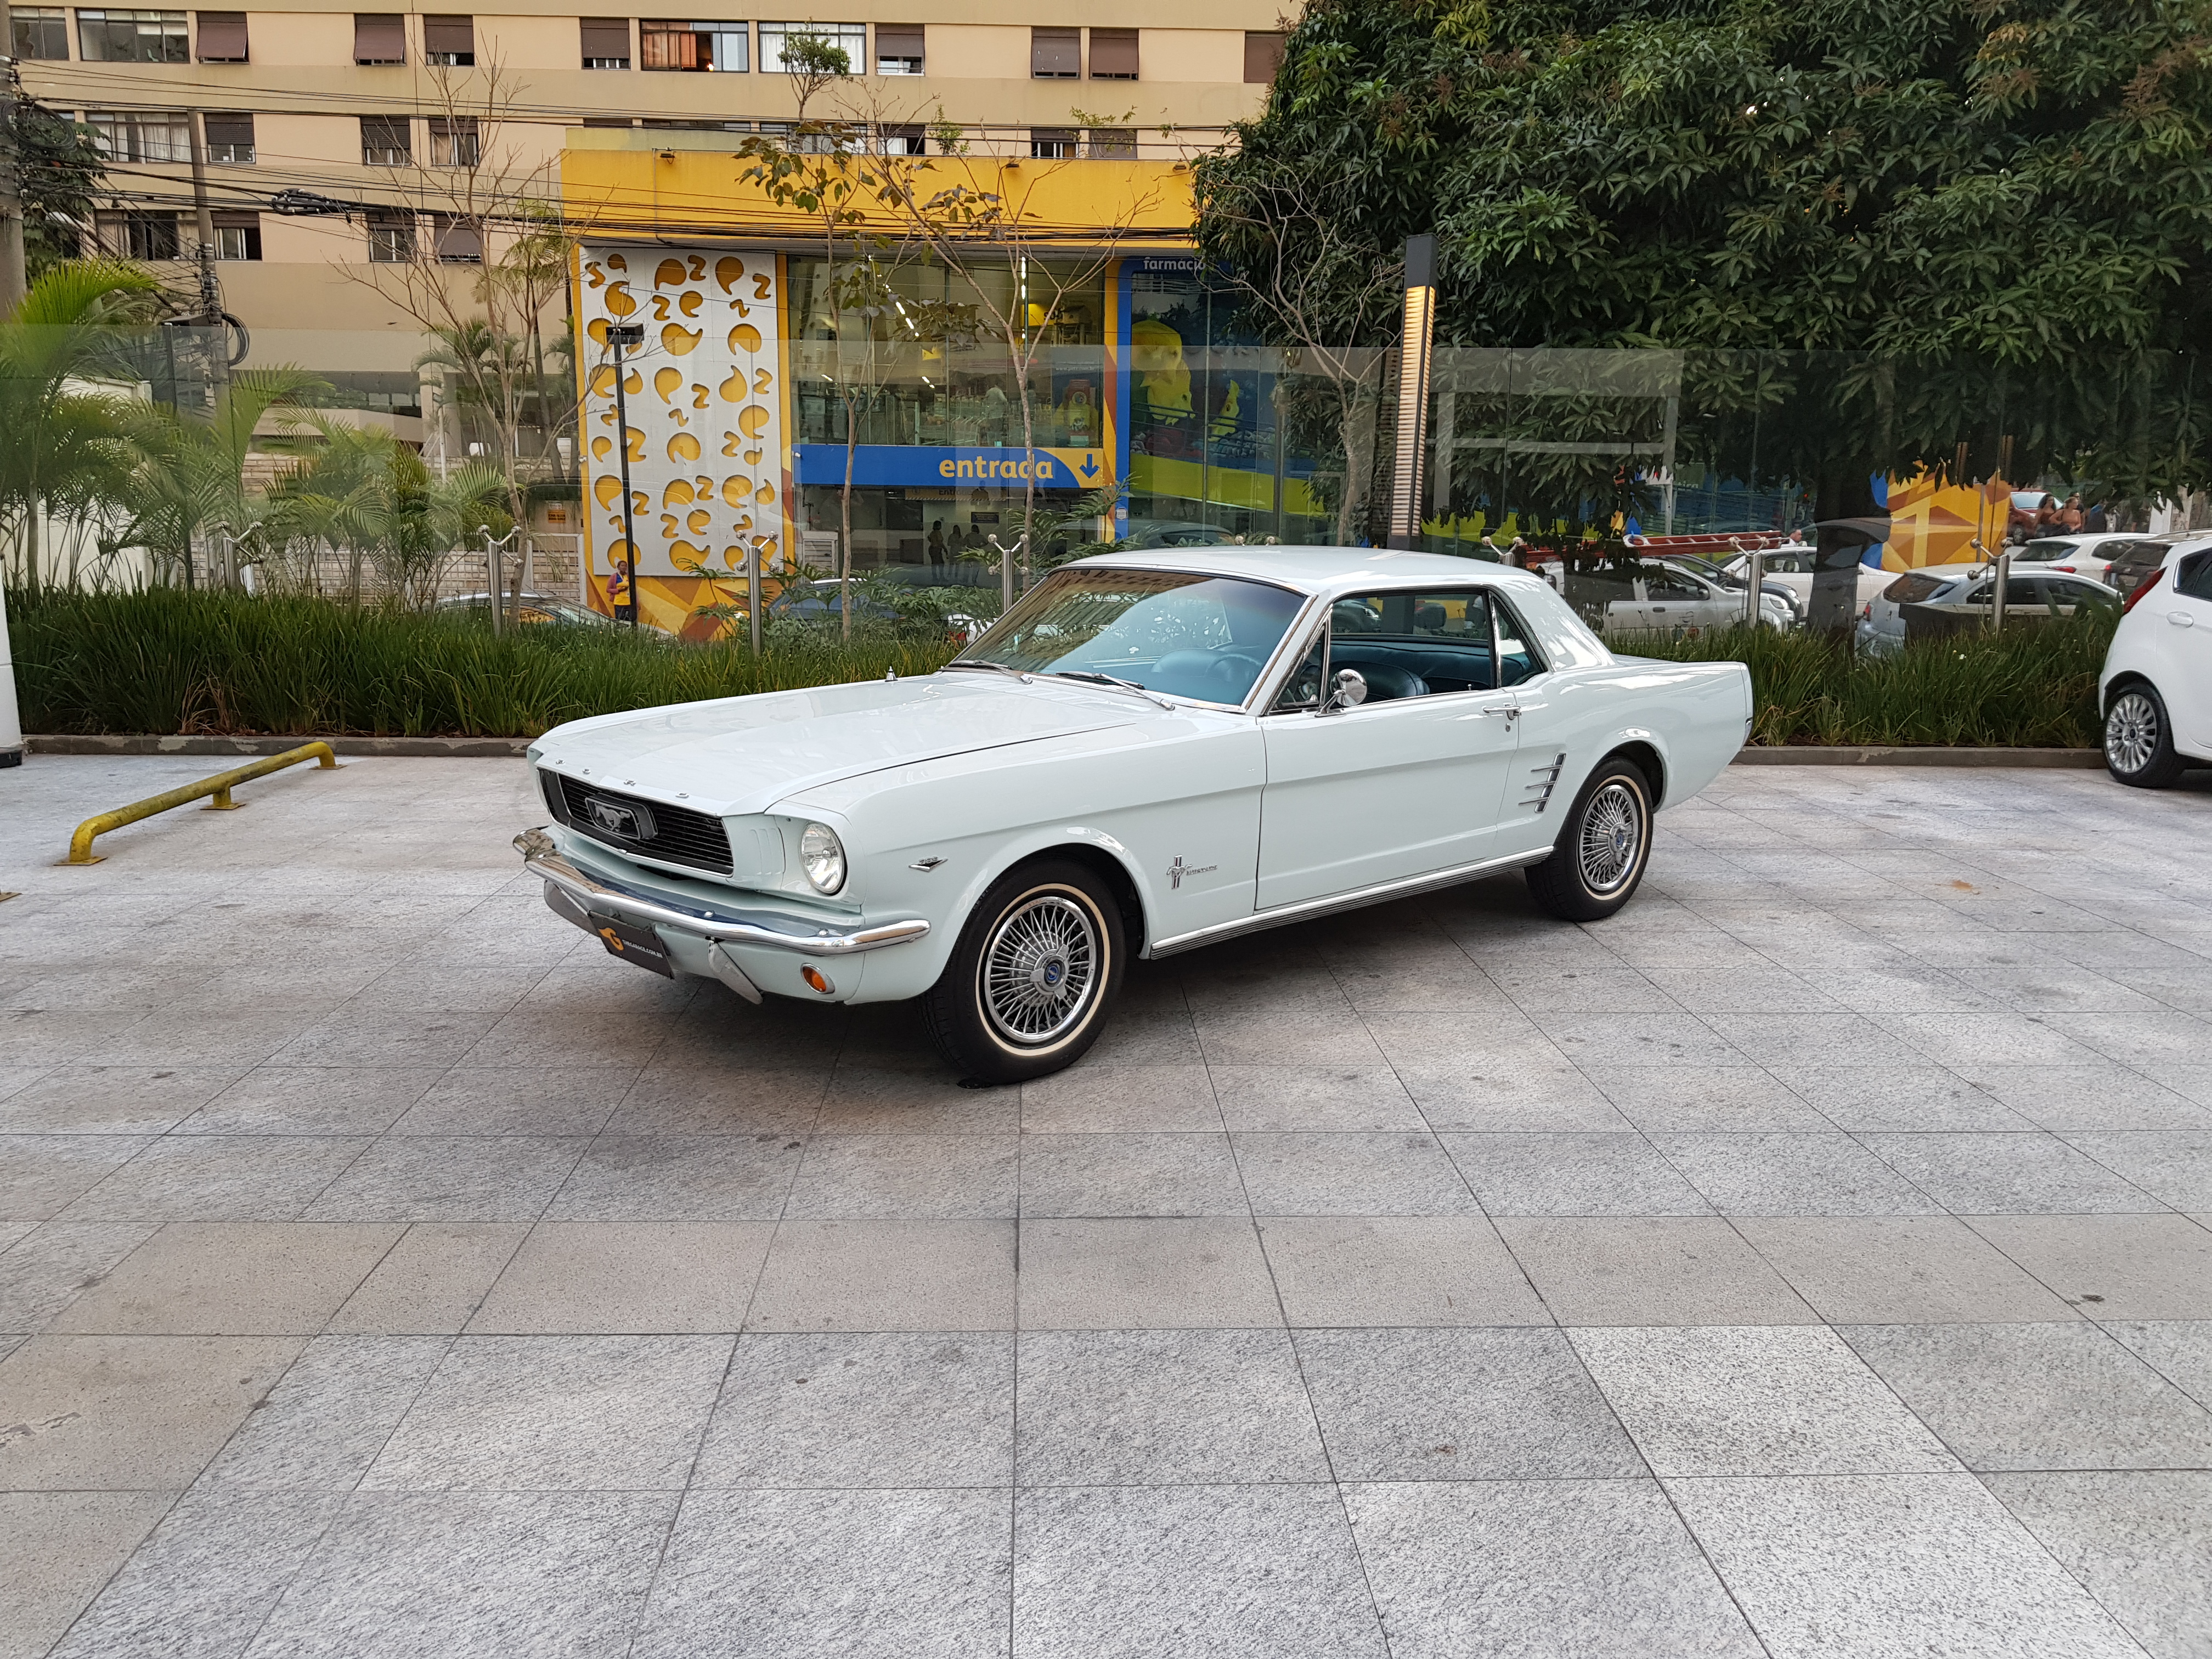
(219,787)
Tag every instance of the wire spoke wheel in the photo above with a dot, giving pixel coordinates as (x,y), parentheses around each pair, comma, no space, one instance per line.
(1040,969)
(2131,732)
(1612,838)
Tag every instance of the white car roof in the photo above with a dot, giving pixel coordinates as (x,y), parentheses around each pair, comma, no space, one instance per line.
(1328,571)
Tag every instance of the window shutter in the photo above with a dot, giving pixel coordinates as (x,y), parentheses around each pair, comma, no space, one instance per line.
(229,130)
(1056,54)
(606,39)
(449,34)
(1262,54)
(900,44)
(380,37)
(222,37)
(1113,54)
(386,141)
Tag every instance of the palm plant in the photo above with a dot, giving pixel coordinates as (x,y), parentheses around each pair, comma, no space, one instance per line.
(187,476)
(56,347)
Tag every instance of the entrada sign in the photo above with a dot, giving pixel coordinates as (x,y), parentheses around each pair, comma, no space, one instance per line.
(921,463)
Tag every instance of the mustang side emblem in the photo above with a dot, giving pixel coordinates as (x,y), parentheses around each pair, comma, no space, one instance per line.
(618,818)
(1178,870)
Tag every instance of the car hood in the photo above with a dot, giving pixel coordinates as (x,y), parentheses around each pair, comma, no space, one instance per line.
(744,753)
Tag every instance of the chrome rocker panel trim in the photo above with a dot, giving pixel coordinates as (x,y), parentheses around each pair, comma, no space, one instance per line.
(738,927)
(1311,909)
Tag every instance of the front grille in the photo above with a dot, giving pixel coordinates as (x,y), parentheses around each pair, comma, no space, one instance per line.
(677,833)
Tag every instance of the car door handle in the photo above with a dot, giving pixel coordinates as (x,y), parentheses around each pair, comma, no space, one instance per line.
(2181,619)
(1510,713)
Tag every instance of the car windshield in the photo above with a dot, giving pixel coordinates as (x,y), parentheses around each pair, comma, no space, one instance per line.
(1913,588)
(1203,637)
(2042,552)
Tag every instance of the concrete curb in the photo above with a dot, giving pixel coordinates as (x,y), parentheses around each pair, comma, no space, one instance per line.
(1808,755)
(512,748)
(467,748)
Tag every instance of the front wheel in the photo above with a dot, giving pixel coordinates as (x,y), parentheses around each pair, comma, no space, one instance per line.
(1029,985)
(1602,849)
(2139,741)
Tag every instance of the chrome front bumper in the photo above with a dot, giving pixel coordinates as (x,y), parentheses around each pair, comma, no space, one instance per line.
(718,925)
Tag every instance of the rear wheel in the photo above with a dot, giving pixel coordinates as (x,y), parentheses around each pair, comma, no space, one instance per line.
(2139,740)
(1599,858)
(1029,986)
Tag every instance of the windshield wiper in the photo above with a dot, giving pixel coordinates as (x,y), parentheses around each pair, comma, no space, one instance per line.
(1021,674)
(1143,691)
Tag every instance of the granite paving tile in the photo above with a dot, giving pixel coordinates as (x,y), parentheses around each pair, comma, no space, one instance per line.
(452,1178)
(54,1262)
(232,1279)
(1609,1270)
(1162,1408)
(887,1275)
(2112,1266)
(938,1176)
(1109,1099)
(323,1424)
(431,1575)
(1155,1274)
(2037,1396)
(1343,1098)
(432,1279)
(41,1175)
(2179,1350)
(2142,1543)
(679,1178)
(1766,1175)
(867,1409)
(1879,1270)
(507,1100)
(1892,1565)
(222,1178)
(1708,1098)
(2105,1095)
(1459,1404)
(1396,1271)
(2173,1165)
(1129,1175)
(1909,1097)
(60,1549)
(548,1413)
(2033,1174)
(1316,1173)
(727,1100)
(1548,1569)
(1133,1572)
(840,1575)
(313,1100)
(112,1100)
(1755,1400)
(1572,1175)
(626,1278)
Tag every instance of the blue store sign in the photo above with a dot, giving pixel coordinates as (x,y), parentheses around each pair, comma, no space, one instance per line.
(920,465)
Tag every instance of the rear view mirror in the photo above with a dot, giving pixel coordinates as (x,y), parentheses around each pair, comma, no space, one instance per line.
(1349,692)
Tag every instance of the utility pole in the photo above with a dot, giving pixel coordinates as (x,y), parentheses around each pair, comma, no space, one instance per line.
(12,279)
(200,188)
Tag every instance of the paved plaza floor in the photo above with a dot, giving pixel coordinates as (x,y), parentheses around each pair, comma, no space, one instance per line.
(1816,1260)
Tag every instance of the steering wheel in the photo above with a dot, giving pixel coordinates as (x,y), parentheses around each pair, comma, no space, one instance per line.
(1228,668)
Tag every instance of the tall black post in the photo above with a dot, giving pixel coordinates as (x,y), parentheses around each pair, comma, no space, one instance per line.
(618,335)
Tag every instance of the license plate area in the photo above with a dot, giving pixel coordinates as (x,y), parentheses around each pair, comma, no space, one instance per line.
(638,946)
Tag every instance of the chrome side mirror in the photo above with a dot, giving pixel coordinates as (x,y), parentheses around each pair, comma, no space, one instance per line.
(1349,692)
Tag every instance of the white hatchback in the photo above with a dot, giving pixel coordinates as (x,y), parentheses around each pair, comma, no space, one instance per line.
(2084,555)
(2156,687)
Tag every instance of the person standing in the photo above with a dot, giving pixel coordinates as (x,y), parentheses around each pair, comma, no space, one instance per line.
(2069,516)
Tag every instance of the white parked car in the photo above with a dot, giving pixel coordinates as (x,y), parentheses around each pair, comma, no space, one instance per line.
(2156,686)
(1665,596)
(2075,556)
(2032,594)
(1791,565)
(1149,753)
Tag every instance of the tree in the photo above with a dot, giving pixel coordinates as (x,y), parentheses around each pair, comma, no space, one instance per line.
(59,170)
(1990,207)
(60,436)
(813,64)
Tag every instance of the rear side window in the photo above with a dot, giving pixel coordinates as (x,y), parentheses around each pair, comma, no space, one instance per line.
(2043,552)
(1914,588)
(2193,575)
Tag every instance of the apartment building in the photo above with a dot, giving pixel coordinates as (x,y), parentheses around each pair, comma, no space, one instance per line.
(359,115)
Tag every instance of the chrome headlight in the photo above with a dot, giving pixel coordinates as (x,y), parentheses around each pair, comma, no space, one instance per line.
(822,855)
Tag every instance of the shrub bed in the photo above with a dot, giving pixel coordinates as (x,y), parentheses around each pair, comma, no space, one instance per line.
(161,660)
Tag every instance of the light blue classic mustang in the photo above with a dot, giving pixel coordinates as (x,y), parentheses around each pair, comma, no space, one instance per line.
(1149,753)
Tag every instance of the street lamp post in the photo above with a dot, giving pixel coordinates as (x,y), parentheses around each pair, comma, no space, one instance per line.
(618,335)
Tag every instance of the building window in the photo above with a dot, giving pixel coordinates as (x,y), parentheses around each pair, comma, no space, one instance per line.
(607,42)
(1263,54)
(458,243)
(901,141)
(898,48)
(454,142)
(380,37)
(238,236)
(41,34)
(391,239)
(1051,143)
(130,135)
(229,137)
(851,39)
(132,37)
(449,40)
(1113,54)
(622,121)
(222,37)
(386,141)
(143,236)
(1112,144)
(1056,54)
(724,46)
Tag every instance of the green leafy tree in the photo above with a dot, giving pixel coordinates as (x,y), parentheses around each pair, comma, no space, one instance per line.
(1988,220)
(59,170)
